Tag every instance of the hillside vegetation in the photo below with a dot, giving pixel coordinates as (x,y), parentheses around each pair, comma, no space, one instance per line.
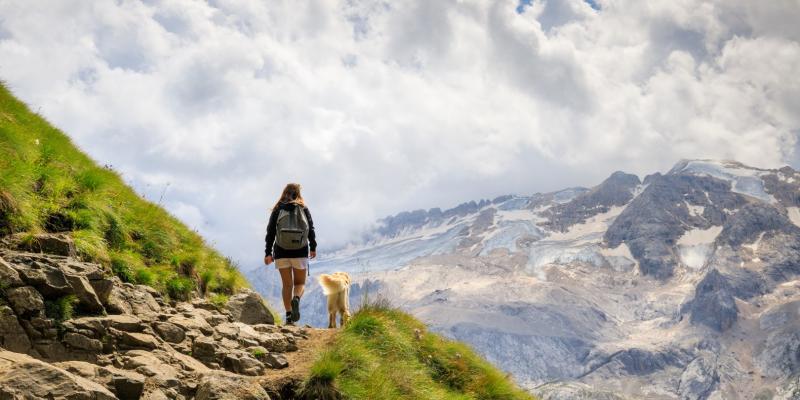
(49,185)
(384,353)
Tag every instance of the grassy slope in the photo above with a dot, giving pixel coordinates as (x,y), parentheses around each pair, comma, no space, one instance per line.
(47,184)
(378,356)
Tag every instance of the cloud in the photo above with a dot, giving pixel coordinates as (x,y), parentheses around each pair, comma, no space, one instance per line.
(378,106)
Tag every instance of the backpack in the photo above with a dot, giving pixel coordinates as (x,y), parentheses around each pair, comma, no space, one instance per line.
(292,229)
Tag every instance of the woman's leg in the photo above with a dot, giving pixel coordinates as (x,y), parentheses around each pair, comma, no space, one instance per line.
(286,280)
(299,281)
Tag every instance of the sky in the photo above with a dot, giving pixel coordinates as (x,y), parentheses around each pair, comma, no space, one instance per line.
(375,107)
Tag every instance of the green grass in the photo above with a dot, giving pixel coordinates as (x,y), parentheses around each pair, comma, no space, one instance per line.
(384,353)
(48,185)
(62,308)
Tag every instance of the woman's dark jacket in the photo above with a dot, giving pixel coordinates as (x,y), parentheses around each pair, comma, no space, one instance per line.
(271,229)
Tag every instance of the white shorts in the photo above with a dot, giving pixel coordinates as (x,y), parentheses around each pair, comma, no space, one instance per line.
(296,263)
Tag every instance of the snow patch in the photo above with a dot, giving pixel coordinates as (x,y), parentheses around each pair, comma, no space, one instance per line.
(592,229)
(619,257)
(794,215)
(744,180)
(696,245)
(699,236)
(695,211)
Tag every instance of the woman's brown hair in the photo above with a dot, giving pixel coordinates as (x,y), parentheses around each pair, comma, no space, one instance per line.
(291,194)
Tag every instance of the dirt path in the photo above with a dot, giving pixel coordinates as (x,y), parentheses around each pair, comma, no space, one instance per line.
(282,383)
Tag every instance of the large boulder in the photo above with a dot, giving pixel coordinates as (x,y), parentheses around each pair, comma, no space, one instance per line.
(47,243)
(26,301)
(24,377)
(81,342)
(9,275)
(130,299)
(84,291)
(12,336)
(42,273)
(249,307)
(126,385)
(169,332)
(228,386)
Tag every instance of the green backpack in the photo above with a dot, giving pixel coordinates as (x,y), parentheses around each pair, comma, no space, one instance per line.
(292,229)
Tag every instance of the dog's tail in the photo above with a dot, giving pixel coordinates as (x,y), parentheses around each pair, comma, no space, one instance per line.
(330,284)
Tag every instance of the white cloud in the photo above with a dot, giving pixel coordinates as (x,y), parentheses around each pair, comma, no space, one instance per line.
(378,106)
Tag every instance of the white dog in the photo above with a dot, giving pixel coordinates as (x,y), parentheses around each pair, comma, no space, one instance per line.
(337,287)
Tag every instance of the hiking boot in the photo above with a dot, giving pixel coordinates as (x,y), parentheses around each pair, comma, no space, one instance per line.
(295,309)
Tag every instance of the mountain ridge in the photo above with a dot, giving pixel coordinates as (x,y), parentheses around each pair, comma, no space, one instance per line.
(631,286)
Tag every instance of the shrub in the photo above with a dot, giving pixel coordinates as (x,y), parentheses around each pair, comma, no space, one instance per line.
(62,308)
(258,353)
(144,276)
(219,300)
(179,288)
(120,268)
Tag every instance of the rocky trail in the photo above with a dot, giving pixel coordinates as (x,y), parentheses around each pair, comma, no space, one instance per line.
(287,380)
(69,331)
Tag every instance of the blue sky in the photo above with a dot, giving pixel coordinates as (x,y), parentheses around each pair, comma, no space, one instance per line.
(378,106)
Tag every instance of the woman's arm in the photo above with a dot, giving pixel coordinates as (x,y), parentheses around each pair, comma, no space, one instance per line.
(312,236)
(270,238)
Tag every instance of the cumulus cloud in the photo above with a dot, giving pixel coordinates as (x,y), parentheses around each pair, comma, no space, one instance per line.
(378,106)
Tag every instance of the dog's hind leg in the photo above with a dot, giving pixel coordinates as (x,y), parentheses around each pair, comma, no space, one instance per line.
(344,305)
(331,311)
(332,320)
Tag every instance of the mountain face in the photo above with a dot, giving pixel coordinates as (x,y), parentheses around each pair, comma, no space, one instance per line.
(680,285)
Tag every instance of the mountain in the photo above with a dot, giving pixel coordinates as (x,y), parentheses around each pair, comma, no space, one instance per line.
(104,295)
(679,285)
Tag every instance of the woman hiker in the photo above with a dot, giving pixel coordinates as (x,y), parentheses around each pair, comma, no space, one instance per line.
(290,233)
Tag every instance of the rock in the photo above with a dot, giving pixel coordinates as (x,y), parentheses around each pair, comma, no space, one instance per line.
(22,376)
(243,363)
(12,336)
(149,364)
(699,379)
(9,275)
(248,307)
(132,340)
(217,319)
(752,220)
(713,304)
(780,355)
(82,342)
(47,243)
(126,299)
(247,336)
(169,332)
(102,288)
(203,304)
(204,349)
(192,323)
(85,293)
(275,361)
(26,301)
(127,323)
(52,350)
(227,386)
(49,280)
(126,385)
